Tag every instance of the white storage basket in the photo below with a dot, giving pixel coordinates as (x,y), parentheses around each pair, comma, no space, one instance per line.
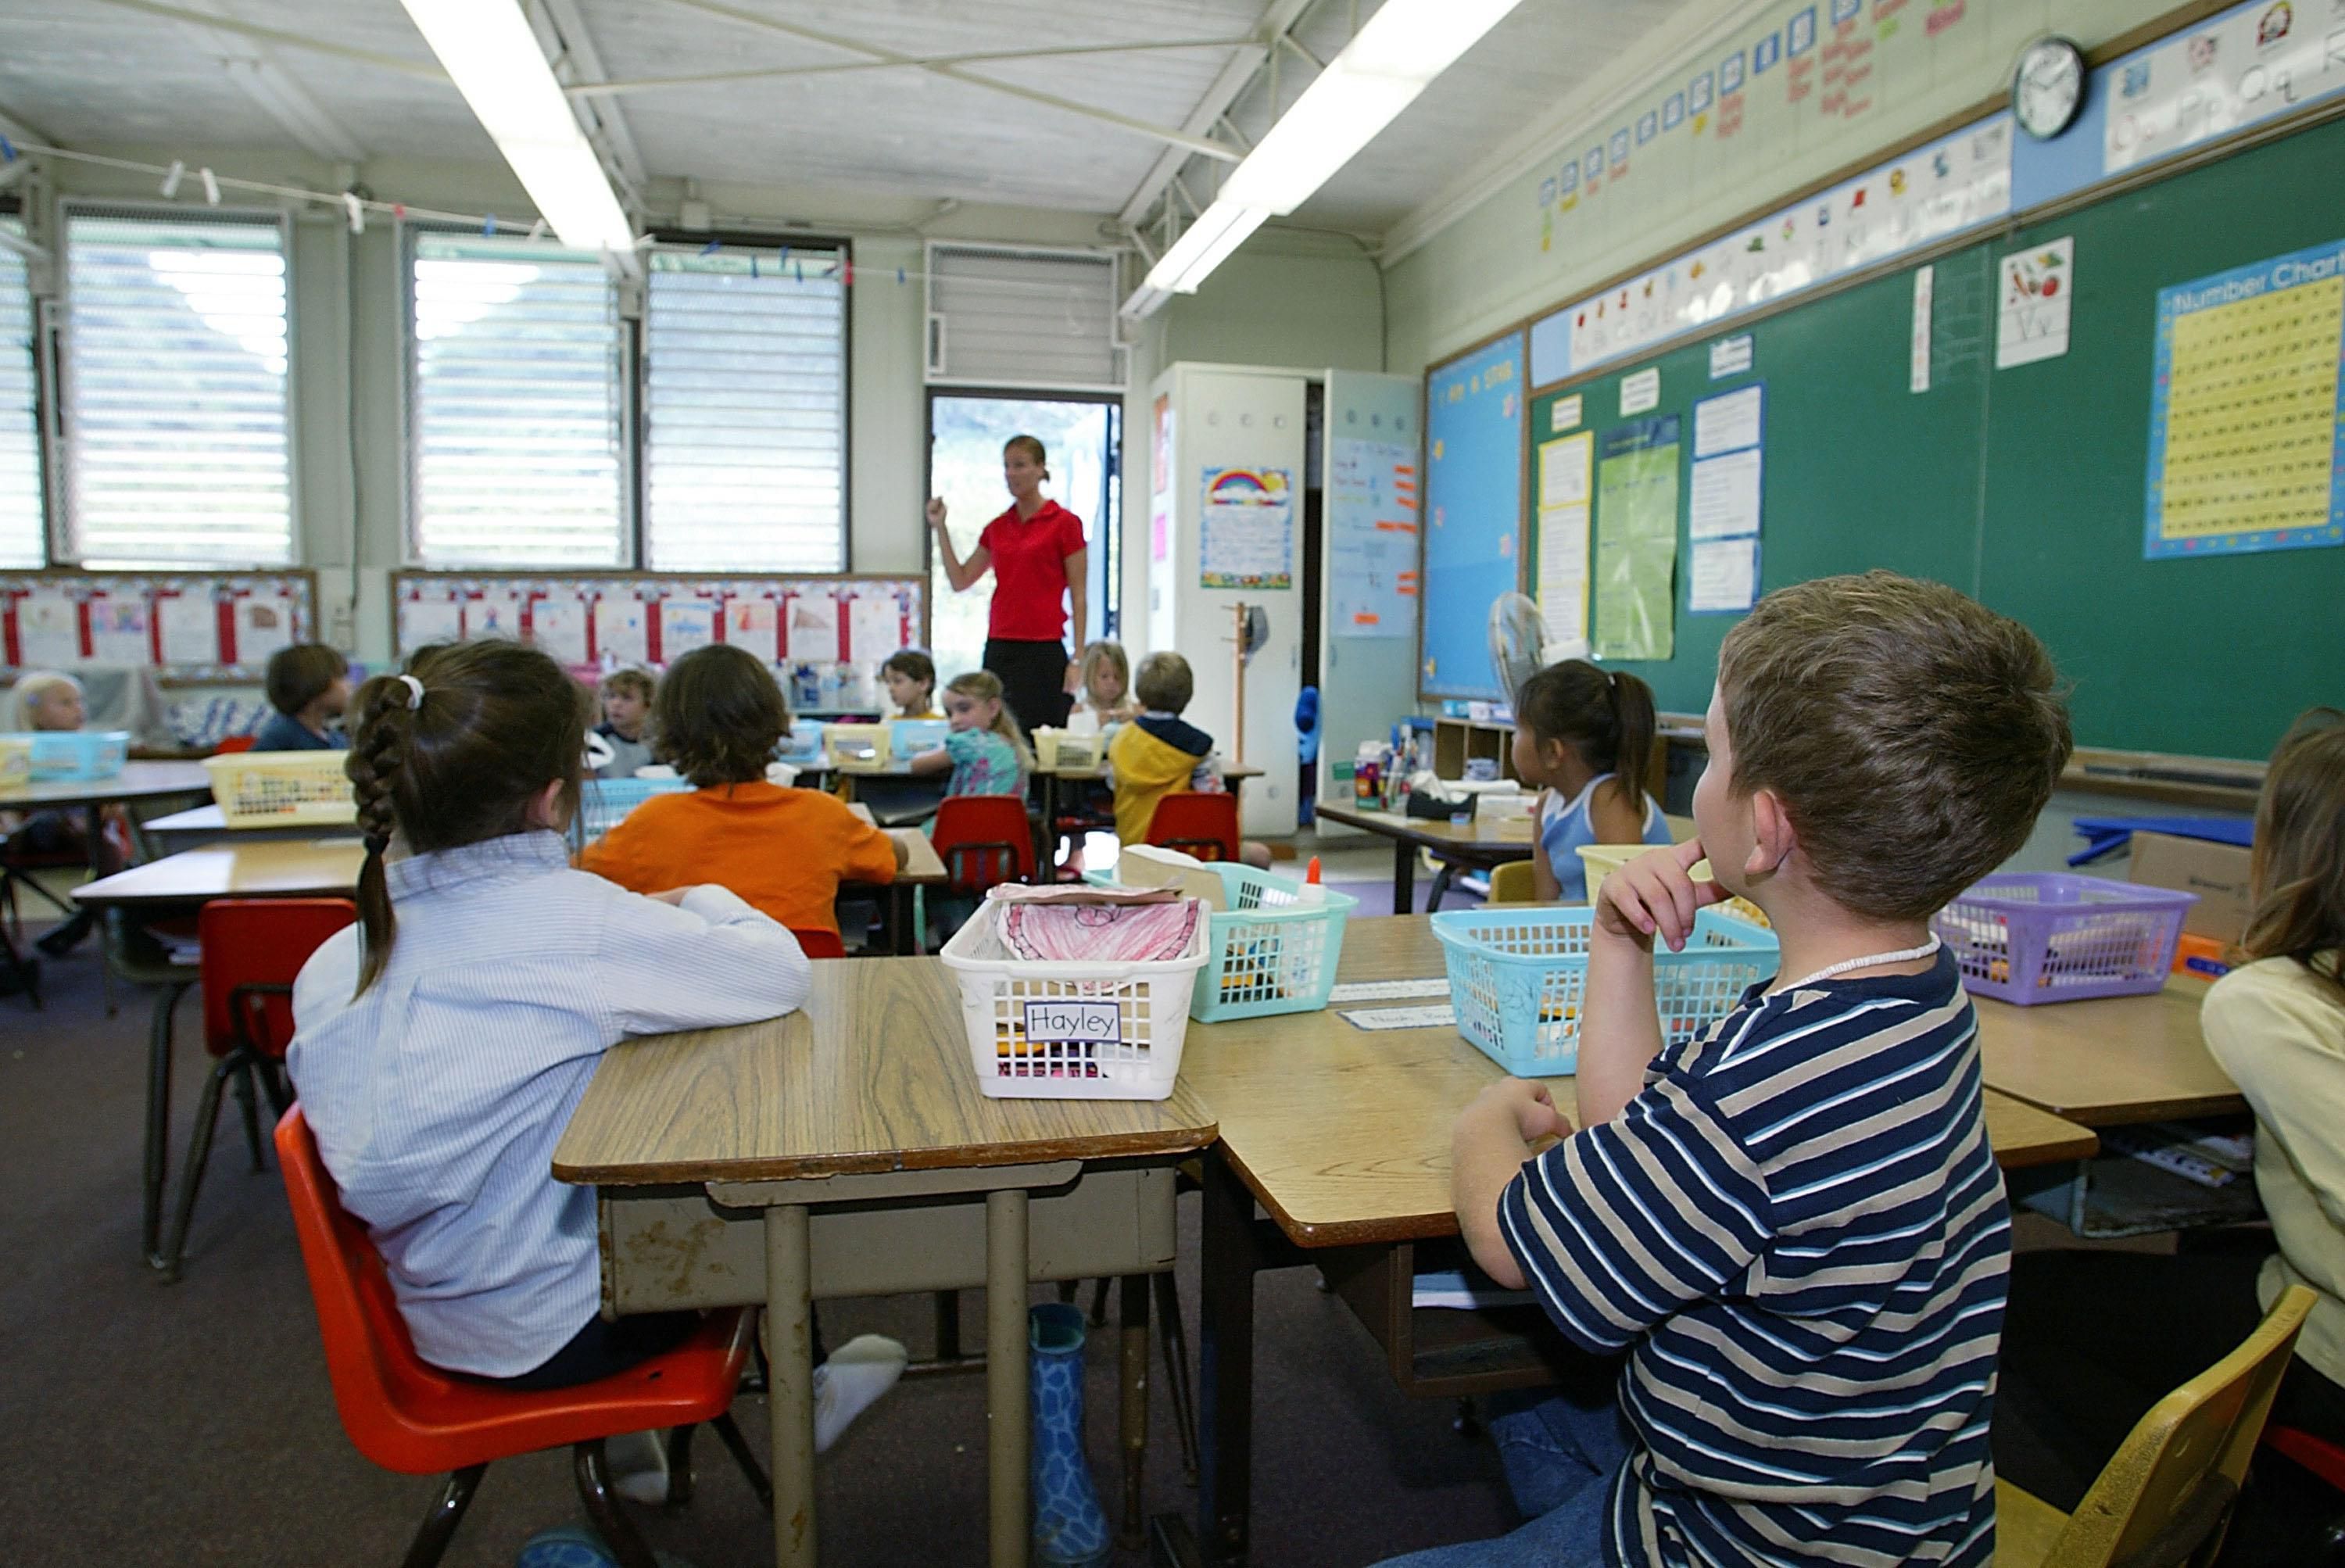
(1064,1030)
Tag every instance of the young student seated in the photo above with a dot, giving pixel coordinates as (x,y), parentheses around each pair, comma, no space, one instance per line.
(309,685)
(984,751)
(440,1044)
(1106,699)
(1575,726)
(911,678)
(717,718)
(1792,1224)
(1159,754)
(626,698)
(47,700)
(2095,1338)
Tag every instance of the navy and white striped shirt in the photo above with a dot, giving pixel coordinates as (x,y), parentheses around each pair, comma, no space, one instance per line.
(438,1096)
(1799,1228)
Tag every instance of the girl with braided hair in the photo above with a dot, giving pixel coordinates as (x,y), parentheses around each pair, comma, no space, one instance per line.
(442,1042)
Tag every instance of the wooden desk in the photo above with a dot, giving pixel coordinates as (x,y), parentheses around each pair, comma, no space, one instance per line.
(200,825)
(268,868)
(137,781)
(864,1101)
(2108,1063)
(1467,844)
(1342,1137)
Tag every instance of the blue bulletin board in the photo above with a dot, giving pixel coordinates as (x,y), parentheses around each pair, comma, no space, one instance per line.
(1474,413)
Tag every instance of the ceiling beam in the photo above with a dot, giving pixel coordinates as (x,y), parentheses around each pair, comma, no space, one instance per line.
(836,67)
(577,63)
(1277,19)
(430,73)
(1193,143)
(272,89)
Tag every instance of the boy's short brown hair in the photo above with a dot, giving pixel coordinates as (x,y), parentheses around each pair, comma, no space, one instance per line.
(1911,734)
(1165,684)
(299,674)
(718,717)
(638,681)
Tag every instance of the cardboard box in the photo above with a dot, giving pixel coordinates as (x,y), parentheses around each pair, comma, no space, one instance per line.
(2218,874)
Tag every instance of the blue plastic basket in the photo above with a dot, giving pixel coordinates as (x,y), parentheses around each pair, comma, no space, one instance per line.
(77,753)
(1517,979)
(1269,951)
(910,737)
(603,803)
(803,746)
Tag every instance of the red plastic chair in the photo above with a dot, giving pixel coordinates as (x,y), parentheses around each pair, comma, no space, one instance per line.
(820,944)
(234,743)
(1205,826)
(984,839)
(252,949)
(2317,1455)
(408,1415)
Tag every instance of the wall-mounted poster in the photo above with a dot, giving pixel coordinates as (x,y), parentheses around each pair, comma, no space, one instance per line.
(1246,529)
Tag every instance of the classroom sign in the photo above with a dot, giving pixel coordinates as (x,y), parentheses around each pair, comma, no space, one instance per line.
(2247,424)
(1245,535)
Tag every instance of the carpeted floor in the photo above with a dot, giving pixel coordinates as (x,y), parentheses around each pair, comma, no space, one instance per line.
(193,1424)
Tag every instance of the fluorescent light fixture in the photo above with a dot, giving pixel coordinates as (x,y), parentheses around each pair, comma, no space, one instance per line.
(496,62)
(1396,55)
(1220,228)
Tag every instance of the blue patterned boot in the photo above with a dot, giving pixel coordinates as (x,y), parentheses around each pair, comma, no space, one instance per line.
(1070,1528)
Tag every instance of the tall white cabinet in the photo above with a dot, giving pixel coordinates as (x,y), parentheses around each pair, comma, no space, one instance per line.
(1241,511)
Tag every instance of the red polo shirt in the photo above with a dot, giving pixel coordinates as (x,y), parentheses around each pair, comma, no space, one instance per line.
(1030,572)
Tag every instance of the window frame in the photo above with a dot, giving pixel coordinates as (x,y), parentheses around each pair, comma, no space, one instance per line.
(58,433)
(634,306)
(45,476)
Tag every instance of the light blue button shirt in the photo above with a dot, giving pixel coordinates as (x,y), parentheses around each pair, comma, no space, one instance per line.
(438,1096)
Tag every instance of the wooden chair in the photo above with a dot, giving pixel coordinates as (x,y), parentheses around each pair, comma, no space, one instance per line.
(2165,1499)
(1513,883)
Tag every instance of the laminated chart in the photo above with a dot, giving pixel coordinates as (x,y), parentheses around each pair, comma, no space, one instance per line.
(2246,430)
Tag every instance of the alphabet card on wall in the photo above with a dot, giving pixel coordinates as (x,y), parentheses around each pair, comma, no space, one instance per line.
(2031,317)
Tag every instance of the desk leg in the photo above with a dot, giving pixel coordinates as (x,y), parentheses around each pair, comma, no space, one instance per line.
(158,1119)
(789,1394)
(1046,847)
(1225,1365)
(1005,1375)
(1404,877)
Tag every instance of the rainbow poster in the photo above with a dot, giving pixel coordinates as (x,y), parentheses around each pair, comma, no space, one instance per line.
(1247,536)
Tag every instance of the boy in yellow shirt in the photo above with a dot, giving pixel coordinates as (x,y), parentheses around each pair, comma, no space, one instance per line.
(1160,754)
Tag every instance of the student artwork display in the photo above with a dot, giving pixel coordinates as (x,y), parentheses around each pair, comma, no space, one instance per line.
(604,621)
(1371,537)
(1637,540)
(186,626)
(2246,423)
(1246,529)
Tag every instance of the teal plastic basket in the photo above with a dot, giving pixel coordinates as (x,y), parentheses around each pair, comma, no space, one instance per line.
(1269,953)
(603,803)
(1518,977)
(63,754)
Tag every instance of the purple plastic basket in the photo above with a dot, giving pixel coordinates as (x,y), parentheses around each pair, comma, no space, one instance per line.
(2037,936)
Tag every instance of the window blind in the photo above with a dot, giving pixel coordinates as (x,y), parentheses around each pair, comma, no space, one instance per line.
(745,413)
(515,405)
(1022,318)
(21,544)
(176,428)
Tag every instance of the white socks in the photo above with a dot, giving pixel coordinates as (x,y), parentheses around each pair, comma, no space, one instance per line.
(849,1383)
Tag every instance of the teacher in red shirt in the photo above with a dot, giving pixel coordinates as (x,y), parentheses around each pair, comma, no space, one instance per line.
(1036,553)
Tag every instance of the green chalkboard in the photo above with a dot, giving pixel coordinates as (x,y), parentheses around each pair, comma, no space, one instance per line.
(2025,487)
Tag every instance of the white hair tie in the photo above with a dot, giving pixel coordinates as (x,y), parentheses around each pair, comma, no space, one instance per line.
(414,691)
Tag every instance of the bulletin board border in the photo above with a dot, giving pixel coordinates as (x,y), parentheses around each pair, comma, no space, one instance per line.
(305,629)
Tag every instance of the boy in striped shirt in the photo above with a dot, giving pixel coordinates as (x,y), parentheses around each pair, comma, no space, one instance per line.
(1792,1224)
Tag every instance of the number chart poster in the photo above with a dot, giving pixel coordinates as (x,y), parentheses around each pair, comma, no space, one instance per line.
(2247,427)
(1246,534)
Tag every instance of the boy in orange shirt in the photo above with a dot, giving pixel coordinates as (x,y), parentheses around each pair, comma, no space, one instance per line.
(716,719)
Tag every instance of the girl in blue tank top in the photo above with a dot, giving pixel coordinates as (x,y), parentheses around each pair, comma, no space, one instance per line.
(1577,728)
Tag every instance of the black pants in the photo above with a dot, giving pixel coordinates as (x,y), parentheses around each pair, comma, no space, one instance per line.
(1033,681)
(2094,1339)
(604,1348)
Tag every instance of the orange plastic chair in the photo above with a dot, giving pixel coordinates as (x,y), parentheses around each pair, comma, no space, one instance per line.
(820,944)
(1205,826)
(984,839)
(234,743)
(252,949)
(408,1415)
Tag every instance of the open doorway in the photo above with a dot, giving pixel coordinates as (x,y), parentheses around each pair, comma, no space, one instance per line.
(1083,433)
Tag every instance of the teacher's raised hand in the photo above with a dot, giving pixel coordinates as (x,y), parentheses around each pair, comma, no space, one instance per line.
(936,511)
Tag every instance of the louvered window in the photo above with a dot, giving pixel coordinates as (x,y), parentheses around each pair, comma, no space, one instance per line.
(176,430)
(516,409)
(21,544)
(1005,318)
(745,413)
